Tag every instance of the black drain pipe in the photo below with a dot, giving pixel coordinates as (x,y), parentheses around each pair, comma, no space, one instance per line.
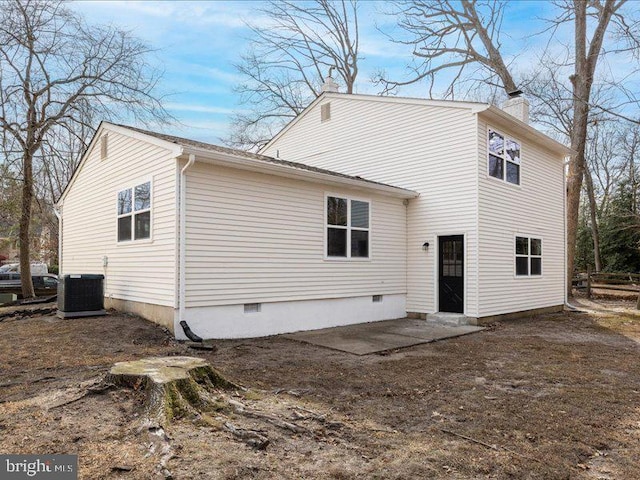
(190,335)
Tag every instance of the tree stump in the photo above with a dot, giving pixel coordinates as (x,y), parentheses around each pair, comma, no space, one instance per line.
(175,386)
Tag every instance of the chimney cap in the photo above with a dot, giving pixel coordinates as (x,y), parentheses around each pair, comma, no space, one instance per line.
(514,93)
(329,84)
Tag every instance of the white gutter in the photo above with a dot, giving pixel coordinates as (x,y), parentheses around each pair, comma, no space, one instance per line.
(183,239)
(58,215)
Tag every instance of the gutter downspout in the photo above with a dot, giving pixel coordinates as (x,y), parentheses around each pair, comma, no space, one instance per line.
(58,214)
(183,238)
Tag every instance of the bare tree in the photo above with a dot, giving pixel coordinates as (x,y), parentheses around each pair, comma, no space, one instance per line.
(448,35)
(287,60)
(56,70)
(460,36)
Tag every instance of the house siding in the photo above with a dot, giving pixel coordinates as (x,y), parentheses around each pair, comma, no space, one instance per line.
(142,271)
(253,238)
(428,149)
(535,208)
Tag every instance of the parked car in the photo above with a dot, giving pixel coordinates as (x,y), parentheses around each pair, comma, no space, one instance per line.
(11,280)
(37,268)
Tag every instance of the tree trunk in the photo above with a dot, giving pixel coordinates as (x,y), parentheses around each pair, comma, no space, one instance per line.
(25,223)
(593,210)
(578,137)
(175,386)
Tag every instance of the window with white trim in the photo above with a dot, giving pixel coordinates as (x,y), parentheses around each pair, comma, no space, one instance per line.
(134,213)
(528,256)
(347,228)
(504,157)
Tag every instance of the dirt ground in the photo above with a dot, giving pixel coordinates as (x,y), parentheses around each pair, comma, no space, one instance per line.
(549,397)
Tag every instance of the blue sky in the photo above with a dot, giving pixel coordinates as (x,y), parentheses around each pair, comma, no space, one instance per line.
(197,44)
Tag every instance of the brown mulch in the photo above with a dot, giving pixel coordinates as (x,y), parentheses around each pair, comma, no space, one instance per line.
(548,397)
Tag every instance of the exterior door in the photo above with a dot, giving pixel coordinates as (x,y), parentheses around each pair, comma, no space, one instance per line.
(451,274)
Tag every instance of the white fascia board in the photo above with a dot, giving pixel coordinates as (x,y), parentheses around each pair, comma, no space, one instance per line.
(175,149)
(259,166)
(495,114)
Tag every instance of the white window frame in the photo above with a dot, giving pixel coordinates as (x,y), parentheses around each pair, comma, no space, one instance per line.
(348,228)
(503,157)
(131,186)
(529,255)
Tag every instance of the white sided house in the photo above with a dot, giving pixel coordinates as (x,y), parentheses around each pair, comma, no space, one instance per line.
(235,244)
(461,213)
(486,236)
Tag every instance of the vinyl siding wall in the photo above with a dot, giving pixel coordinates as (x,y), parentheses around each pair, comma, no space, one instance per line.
(432,150)
(535,209)
(142,271)
(253,237)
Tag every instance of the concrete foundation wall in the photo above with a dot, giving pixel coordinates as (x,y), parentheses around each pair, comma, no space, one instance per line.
(231,321)
(159,314)
(514,315)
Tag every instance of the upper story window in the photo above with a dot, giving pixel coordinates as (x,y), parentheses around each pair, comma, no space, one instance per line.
(528,256)
(134,213)
(504,157)
(347,228)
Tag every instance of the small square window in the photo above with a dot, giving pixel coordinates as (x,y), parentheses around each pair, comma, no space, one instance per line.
(528,256)
(504,158)
(134,213)
(347,229)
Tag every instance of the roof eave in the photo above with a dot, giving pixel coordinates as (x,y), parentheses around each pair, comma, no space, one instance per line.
(494,113)
(255,165)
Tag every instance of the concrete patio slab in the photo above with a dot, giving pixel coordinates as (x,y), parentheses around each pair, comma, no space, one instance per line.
(375,337)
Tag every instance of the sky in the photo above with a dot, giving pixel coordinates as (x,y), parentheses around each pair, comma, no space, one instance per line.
(197,44)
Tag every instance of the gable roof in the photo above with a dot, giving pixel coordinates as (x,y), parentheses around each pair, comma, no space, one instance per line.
(185,146)
(487,110)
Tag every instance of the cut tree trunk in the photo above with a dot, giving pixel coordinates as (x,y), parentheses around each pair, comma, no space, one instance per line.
(175,386)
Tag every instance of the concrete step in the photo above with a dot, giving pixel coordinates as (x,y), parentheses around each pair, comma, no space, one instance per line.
(451,319)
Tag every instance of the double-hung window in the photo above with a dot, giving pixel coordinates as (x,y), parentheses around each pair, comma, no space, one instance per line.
(504,157)
(528,256)
(347,228)
(134,213)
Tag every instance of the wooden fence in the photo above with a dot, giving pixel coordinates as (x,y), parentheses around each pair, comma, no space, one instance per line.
(619,282)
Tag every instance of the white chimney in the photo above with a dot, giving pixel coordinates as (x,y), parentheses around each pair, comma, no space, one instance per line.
(329,84)
(517,106)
